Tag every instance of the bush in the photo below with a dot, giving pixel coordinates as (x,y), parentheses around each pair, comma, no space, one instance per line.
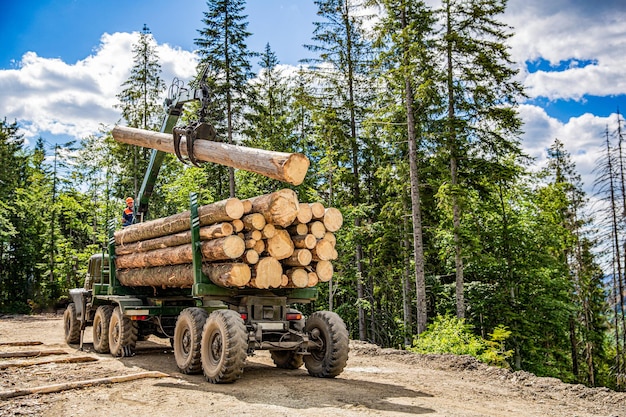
(451,335)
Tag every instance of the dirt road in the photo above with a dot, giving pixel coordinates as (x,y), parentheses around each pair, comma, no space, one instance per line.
(375,383)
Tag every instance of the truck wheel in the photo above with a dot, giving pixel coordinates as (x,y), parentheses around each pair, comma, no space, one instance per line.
(101,322)
(286,359)
(328,344)
(224,346)
(71,325)
(187,338)
(122,334)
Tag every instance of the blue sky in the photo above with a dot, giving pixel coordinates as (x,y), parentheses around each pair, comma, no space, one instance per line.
(62,62)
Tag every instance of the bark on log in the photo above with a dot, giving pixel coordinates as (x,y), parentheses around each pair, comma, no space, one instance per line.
(228,274)
(29,343)
(298,277)
(31,353)
(300,257)
(279,208)
(324,270)
(287,167)
(171,276)
(213,231)
(307,241)
(333,219)
(24,364)
(224,248)
(225,210)
(47,389)
(280,246)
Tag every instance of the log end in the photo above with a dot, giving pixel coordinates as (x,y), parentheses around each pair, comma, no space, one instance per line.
(295,168)
(234,208)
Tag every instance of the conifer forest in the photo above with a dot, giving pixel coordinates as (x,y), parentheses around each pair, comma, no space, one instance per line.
(409,118)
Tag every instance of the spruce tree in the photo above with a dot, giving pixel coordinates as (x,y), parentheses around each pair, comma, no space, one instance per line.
(225,57)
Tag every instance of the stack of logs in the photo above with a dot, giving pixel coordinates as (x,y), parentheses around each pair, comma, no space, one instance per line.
(269,241)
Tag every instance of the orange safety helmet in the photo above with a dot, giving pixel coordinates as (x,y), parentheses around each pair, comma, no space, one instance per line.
(129,200)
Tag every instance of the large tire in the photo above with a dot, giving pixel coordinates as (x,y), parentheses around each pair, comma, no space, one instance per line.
(101,322)
(224,347)
(71,325)
(123,333)
(328,331)
(286,359)
(187,338)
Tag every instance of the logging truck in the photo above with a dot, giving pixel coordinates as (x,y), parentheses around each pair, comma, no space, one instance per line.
(220,280)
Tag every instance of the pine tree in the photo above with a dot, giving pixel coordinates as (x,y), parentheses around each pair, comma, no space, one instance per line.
(225,56)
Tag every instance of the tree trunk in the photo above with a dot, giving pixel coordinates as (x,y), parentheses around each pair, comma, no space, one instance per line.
(287,167)
(228,274)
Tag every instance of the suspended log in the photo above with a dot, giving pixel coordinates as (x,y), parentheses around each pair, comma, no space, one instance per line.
(287,167)
(324,270)
(333,219)
(225,210)
(47,389)
(279,208)
(230,247)
(228,274)
(300,257)
(213,231)
(280,246)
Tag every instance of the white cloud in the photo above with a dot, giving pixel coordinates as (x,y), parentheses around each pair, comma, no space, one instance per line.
(75,99)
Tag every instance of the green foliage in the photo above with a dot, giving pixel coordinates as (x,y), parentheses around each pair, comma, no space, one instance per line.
(448,334)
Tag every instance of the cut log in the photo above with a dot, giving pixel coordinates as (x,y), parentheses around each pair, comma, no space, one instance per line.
(247,207)
(324,270)
(329,236)
(287,167)
(171,276)
(267,273)
(317,229)
(23,364)
(307,241)
(253,234)
(313,279)
(305,214)
(259,246)
(300,257)
(280,246)
(250,257)
(31,353)
(253,221)
(28,343)
(317,210)
(323,251)
(269,230)
(250,243)
(333,219)
(47,389)
(225,210)
(298,277)
(228,274)
(237,225)
(298,229)
(230,247)
(284,281)
(213,231)
(279,208)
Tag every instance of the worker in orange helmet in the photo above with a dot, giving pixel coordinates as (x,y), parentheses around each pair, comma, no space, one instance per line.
(128,217)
